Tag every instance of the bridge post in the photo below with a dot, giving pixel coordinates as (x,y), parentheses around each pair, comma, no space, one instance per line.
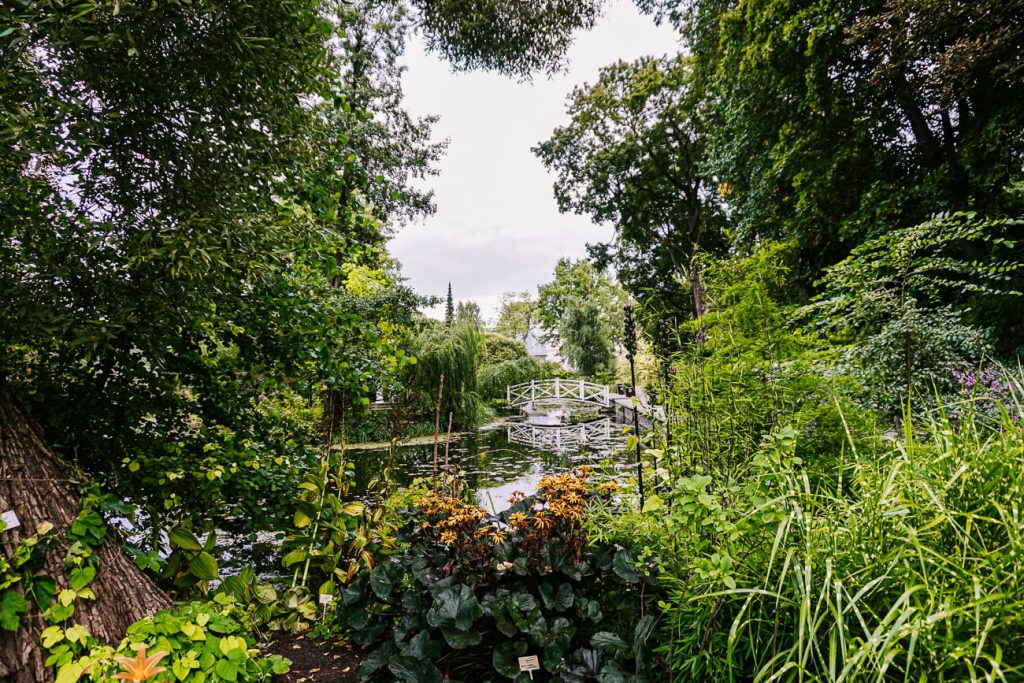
(508,393)
(533,391)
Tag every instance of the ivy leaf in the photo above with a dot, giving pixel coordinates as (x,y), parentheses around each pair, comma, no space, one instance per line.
(81,577)
(12,604)
(43,590)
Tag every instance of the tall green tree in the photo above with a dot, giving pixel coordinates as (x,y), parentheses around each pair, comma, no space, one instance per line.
(580,281)
(634,156)
(585,342)
(454,352)
(469,311)
(517,38)
(837,121)
(144,153)
(516,313)
(449,307)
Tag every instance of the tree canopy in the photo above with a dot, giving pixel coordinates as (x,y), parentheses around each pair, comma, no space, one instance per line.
(634,156)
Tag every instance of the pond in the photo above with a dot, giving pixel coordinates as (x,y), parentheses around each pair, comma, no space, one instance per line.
(500,459)
(494,462)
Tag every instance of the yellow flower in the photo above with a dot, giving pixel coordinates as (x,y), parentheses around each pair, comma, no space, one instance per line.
(541,521)
(448,537)
(141,668)
(517,519)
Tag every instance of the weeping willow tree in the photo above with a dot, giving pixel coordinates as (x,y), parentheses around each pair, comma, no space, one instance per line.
(585,343)
(453,351)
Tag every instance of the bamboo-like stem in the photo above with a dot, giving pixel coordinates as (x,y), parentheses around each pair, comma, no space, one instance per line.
(447,443)
(437,425)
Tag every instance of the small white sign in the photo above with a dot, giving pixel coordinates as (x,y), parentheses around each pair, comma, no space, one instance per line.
(325,598)
(10,520)
(529,663)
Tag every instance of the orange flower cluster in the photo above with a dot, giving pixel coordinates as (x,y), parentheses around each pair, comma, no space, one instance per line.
(450,518)
(558,518)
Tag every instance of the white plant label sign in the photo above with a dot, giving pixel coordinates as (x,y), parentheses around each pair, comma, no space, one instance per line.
(10,520)
(529,663)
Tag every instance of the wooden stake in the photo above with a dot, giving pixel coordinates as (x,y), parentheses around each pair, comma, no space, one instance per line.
(437,426)
(447,443)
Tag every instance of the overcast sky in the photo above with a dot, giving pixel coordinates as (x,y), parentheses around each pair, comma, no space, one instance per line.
(497,227)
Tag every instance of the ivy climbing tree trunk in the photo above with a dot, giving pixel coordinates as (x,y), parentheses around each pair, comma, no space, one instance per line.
(34,485)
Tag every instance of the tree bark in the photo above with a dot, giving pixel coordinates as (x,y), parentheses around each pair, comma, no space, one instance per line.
(34,485)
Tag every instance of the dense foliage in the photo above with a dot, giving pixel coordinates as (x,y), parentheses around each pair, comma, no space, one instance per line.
(446,370)
(816,210)
(472,592)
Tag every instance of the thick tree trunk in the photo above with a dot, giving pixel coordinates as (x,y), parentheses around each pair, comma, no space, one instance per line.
(33,484)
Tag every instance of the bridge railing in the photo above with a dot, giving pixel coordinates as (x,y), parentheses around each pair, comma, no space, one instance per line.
(558,390)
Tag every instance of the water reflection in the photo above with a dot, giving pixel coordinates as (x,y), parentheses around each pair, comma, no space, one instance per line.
(496,461)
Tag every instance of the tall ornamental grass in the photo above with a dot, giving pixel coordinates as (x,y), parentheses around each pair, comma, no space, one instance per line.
(908,567)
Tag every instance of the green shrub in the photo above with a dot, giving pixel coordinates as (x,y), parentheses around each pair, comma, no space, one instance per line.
(203,642)
(494,379)
(499,348)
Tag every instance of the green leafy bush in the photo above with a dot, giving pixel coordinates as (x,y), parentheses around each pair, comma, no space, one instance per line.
(472,592)
(203,642)
(494,379)
(897,302)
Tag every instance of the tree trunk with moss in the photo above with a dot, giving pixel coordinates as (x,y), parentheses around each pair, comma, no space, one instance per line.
(34,485)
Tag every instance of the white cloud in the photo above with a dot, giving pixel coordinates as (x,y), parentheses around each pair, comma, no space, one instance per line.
(497,226)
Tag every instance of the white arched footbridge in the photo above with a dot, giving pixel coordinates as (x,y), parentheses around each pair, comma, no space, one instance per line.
(558,391)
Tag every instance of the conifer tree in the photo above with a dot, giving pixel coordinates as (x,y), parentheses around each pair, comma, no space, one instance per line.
(449,309)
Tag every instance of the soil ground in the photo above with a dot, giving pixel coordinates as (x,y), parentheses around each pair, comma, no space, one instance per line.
(314,660)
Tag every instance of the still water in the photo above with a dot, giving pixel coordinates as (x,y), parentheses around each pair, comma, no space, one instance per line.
(494,462)
(498,460)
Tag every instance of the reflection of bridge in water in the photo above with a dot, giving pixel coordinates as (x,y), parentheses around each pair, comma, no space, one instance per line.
(600,435)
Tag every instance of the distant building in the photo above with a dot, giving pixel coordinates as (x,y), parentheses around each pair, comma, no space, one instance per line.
(541,351)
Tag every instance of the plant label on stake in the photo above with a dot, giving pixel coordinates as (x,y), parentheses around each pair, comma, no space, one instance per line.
(325,599)
(529,664)
(10,520)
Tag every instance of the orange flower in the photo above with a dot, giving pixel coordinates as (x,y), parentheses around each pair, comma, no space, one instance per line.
(448,537)
(141,668)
